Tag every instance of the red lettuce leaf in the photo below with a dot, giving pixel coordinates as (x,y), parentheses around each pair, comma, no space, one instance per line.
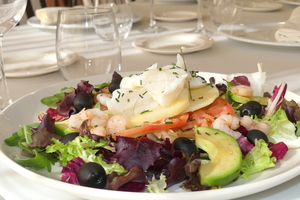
(65,107)
(84,86)
(53,115)
(69,172)
(292,110)
(191,170)
(240,80)
(43,134)
(134,180)
(278,150)
(140,153)
(276,100)
(244,144)
(175,172)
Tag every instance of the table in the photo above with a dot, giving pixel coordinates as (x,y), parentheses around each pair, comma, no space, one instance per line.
(226,56)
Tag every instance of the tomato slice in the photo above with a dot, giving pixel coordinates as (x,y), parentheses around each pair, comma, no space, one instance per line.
(168,123)
(207,115)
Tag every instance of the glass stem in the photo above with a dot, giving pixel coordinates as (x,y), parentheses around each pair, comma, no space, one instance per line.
(4,96)
(200,25)
(152,20)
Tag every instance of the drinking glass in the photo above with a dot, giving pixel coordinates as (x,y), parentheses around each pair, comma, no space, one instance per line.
(225,11)
(87,42)
(11,12)
(123,15)
(152,28)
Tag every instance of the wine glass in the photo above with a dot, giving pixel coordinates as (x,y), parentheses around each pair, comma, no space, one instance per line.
(87,42)
(11,12)
(225,11)
(200,26)
(123,15)
(152,28)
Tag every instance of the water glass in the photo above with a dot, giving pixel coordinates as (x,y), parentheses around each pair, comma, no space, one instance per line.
(225,11)
(87,42)
(123,15)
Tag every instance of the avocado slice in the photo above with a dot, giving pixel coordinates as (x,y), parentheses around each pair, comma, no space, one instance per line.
(243,100)
(62,128)
(224,153)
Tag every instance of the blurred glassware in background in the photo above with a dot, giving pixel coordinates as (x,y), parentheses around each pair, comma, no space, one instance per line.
(11,12)
(123,15)
(152,28)
(225,11)
(87,42)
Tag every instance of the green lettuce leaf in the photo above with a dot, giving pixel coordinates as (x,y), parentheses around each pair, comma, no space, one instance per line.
(157,186)
(40,161)
(283,130)
(84,148)
(52,100)
(258,159)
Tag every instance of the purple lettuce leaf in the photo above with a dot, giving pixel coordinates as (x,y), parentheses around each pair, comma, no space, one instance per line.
(84,86)
(292,110)
(244,144)
(278,150)
(140,153)
(240,80)
(43,134)
(65,107)
(191,170)
(275,100)
(174,171)
(69,172)
(134,180)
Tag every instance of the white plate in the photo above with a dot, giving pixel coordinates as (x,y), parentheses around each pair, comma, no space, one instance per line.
(11,120)
(35,22)
(13,186)
(29,63)
(176,16)
(291,2)
(261,6)
(256,34)
(171,43)
(176,2)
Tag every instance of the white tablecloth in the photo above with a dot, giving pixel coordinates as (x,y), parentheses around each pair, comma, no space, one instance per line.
(226,56)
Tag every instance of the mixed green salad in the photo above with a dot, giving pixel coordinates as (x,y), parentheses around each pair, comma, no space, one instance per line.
(163,126)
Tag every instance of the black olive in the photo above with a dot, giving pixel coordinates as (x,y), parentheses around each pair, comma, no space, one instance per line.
(115,84)
(83,100)
(186,145)
(256,134)
(251,108)
(92,174)
(69,137)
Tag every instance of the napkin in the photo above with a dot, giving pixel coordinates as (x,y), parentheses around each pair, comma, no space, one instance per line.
(48,15)
(290,31)
(29,63)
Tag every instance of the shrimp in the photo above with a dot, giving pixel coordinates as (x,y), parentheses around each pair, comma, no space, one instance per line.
(249,124)
(102,98)
(99,130)
(95,117)
(116,124)
(227,124)
(242,90)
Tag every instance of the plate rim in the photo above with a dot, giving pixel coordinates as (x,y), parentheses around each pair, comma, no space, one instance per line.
(138,44)
(192,16)
(290,2)
(35,22)
(255,41)
(230,192)
(265,9)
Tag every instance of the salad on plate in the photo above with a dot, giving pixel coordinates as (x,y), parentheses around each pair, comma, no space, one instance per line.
(161,127)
